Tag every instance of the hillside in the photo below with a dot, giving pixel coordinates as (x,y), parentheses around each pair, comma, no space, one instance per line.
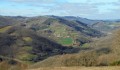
(26,45)
(102,52)
(22,45)
(11,64)
(43,42)
(55,28)
(36,38)
(83,20)
(59,29)
(59,35)
(106,26)
(8,20)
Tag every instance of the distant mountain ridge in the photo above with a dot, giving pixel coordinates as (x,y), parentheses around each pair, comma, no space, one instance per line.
(34,39)
(84,20)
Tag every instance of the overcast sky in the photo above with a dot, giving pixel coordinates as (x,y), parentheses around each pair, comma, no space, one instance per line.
(92,9)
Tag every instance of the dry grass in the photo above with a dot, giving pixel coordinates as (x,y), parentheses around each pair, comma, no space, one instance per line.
(4,29)
(80,59)
(6,66)
(79,68)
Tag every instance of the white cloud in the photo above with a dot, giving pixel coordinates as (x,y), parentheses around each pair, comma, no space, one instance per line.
(33,1)
(84,8)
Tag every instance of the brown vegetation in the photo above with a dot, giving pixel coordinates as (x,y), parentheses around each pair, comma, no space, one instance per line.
(12,65)
(77,68)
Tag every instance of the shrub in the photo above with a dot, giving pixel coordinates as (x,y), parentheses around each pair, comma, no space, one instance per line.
(107,59)
(116,63)
(27,57)
(1,59)
(12,62)
(83,59)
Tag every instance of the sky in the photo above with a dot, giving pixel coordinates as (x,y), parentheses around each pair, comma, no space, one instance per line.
(91,9)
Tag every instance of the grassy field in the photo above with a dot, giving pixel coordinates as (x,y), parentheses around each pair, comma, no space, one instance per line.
(79,68)
(66,41)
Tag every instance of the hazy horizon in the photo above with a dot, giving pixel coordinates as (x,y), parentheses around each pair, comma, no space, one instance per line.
(97,9)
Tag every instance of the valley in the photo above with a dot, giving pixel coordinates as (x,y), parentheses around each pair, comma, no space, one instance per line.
(60,43)
(59,35)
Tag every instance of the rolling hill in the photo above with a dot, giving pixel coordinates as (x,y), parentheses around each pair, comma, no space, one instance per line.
(83,20)
(19,46)
(9,20)
(106,26)
(59,29)
(55,28)
(49,41)
(103,52)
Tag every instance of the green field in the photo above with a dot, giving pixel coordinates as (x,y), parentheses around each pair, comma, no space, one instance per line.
(66,41)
